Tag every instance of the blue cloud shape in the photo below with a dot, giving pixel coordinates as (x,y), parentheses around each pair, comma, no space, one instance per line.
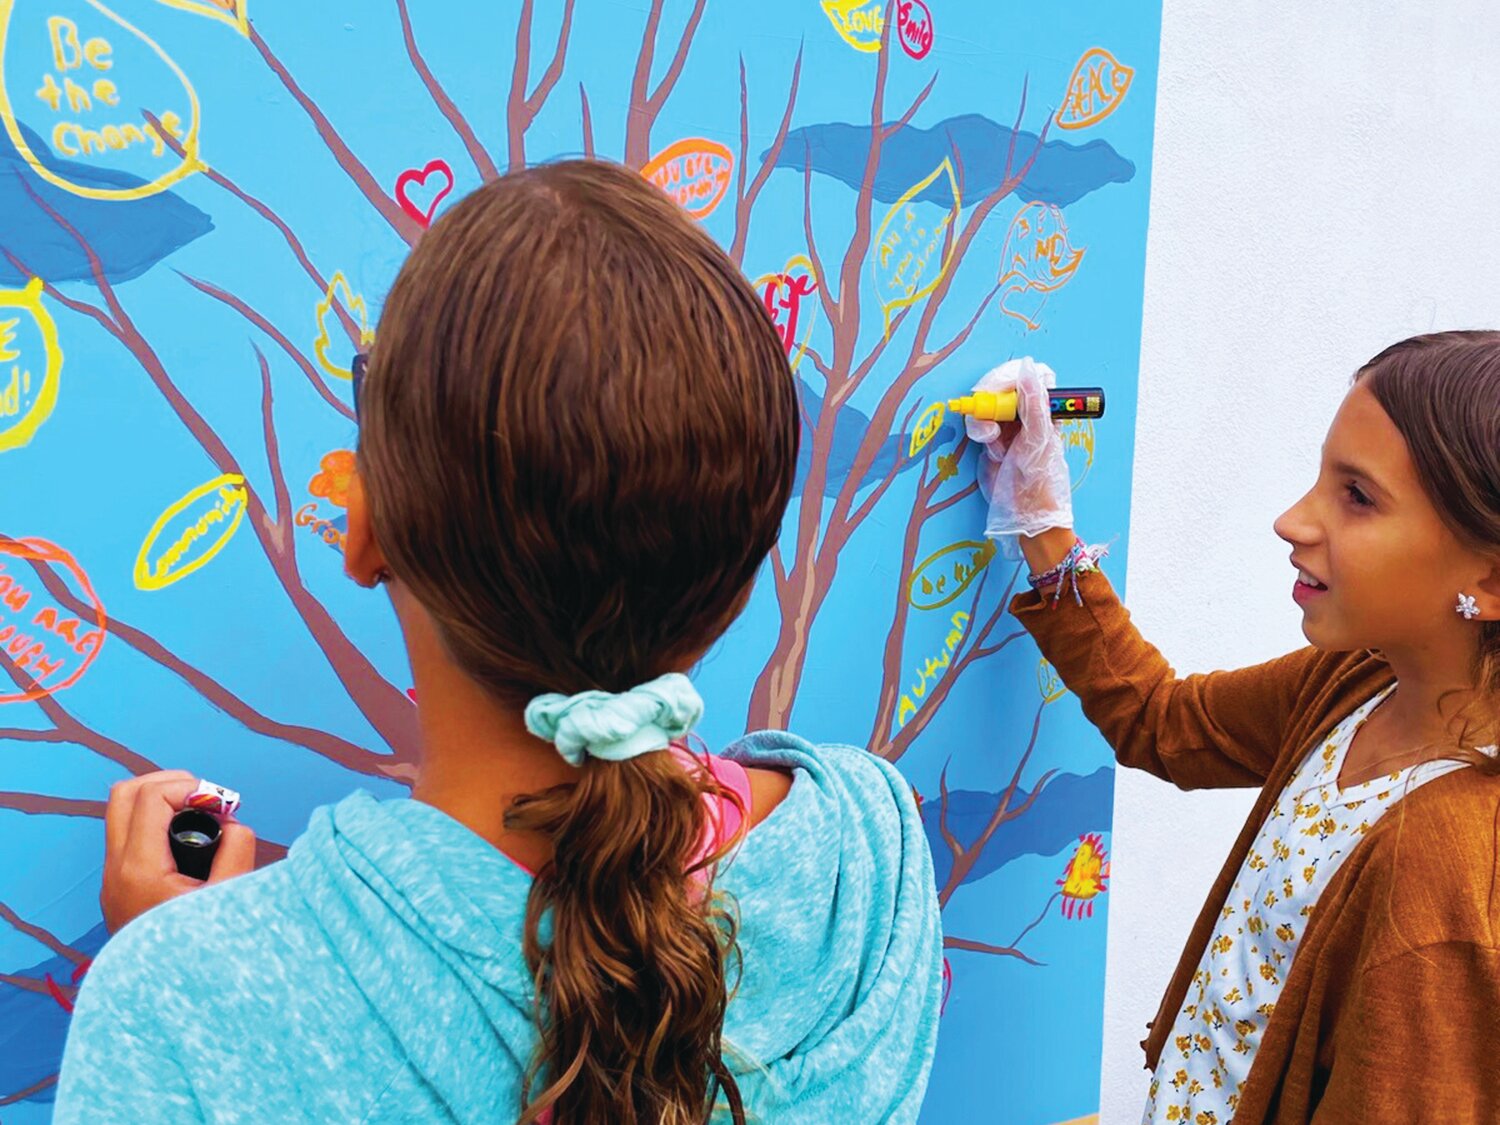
(1066,808)
(1062,174)
(130,236)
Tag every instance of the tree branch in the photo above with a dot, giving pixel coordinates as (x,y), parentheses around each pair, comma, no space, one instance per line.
(538,97)
(1002,811)
(889,131)
(245,310)
(898,745)
(956,498)
(819,363)
(25,734)
(521,109)
(36,804)
(644,108)
(880,490)
(326,745)
(34,1088)
(402,223)
(46,937)
(31,984)
(588,123)
(445,105)
(273,457)
(264,211)
(745,201)
(825,291)
(94,312)
(954,847)
(71,729)
(1010,950)
(950,942)
(778,569)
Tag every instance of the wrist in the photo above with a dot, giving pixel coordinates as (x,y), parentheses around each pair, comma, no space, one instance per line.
(1045,551)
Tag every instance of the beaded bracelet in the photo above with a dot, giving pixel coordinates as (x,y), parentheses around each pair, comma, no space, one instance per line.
(1080,559)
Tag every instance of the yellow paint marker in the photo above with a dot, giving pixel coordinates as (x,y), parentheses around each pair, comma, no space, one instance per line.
(1000,406)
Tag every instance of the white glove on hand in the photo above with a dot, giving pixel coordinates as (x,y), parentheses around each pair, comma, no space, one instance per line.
(1023,474)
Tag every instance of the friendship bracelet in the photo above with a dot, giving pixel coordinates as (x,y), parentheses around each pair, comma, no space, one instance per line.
(1080,559)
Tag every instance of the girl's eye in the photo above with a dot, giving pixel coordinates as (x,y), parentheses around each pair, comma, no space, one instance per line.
(1357,496)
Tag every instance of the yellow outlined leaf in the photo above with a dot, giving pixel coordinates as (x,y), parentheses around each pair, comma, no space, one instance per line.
(859,23)
(939,578)
(904,246)
(189,163)
(356,305)
(31,407)
(230,500)
(927,428)
(1048,681)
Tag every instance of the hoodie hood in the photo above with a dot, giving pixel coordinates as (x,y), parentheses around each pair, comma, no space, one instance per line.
(835,1013)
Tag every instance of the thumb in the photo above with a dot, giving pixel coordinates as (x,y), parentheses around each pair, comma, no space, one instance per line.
(1034,408)
(236,854)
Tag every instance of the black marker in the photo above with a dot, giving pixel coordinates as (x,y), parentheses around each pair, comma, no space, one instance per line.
(195,837)
(195,831)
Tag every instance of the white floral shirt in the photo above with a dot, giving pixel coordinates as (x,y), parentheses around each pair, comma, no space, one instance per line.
(1308,834)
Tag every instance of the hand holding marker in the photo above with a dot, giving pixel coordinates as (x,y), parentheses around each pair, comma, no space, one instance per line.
(1023,473)
(166,834)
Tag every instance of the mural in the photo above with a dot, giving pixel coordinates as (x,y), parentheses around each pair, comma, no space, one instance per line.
(202,203)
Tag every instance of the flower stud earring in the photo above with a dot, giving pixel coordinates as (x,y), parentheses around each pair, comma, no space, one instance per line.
(1467,607)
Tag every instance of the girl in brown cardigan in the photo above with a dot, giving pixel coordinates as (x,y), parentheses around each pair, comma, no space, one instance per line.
(1345,967)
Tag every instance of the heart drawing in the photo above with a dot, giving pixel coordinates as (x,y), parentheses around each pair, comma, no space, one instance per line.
(440,173)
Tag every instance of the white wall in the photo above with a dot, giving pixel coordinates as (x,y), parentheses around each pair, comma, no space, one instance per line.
(1327,179)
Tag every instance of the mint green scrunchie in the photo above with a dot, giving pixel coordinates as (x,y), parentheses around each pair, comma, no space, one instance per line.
(616,727)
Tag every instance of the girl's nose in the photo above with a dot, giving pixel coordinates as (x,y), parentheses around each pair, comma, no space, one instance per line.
(1296,525)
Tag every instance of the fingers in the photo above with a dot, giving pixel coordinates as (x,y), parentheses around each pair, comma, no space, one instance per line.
(122,797)
(981,431)
(155,801)
(236,854)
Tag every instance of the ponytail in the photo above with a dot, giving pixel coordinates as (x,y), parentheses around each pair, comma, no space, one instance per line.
(631,982)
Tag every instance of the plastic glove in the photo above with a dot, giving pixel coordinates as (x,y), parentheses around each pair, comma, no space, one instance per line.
(1024,474)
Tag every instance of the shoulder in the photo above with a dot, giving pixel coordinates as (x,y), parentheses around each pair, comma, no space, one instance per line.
(188,947)
(848,816)
(846,775)
(1432,864)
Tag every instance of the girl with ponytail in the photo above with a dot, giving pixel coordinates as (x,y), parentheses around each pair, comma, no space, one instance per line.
(578,434)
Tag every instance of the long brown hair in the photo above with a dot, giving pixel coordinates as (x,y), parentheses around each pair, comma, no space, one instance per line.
(1442,392)
(578,436)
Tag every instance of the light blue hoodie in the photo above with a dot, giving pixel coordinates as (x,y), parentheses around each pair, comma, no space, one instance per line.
(376,975)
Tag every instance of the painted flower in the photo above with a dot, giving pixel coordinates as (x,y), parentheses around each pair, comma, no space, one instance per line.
(1083,879)
(336,469)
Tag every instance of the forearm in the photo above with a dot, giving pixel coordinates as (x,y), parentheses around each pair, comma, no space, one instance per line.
(1217,730)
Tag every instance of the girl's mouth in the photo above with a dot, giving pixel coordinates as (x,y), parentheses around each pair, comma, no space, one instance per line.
(1307,588)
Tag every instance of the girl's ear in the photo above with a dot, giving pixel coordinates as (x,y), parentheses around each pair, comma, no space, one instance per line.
(1487,595)
(363,560)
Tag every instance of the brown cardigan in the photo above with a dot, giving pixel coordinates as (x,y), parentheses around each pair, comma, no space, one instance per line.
(1391,1013)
